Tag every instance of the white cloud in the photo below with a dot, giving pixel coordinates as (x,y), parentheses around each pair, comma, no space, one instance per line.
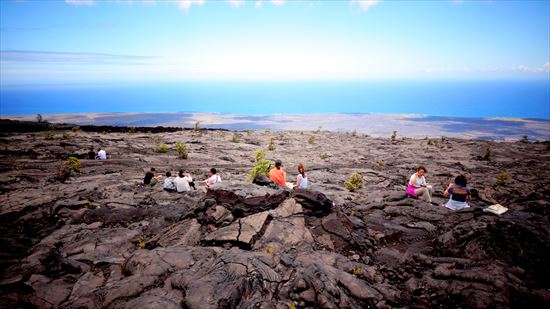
(365,5)
(80,2)
(278,2)
(236,3)
(186,4)
(545,68)
(258,4)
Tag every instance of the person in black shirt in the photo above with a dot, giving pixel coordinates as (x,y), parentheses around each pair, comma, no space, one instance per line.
(91,154)
(150,178)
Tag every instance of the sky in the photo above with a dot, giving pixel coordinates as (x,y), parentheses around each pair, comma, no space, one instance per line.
(142,40)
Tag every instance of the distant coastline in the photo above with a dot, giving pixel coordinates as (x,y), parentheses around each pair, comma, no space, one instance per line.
(378,125)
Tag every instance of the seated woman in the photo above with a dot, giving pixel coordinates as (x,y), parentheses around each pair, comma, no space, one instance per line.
(301,180)
(418,187)
(184,182)
(213,178)
(169,183)
(460,194)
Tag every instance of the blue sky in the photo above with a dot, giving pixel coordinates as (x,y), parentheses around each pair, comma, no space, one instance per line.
(142,40)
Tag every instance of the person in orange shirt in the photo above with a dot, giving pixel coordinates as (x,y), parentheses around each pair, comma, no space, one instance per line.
(277,174)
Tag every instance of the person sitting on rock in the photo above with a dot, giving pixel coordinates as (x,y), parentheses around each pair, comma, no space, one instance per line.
(91,154)
(212,178)
(277,174)
(169,183)
(301,180)
(418,187)
(101,154)
(150,178)
(460,194)
(184,182)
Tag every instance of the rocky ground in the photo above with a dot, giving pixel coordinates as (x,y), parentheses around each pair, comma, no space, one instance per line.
(99,239)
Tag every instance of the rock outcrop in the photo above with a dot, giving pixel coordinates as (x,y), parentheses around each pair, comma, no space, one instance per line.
(103,240)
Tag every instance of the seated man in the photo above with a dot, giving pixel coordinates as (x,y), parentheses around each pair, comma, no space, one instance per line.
(212,179)
(91,154)
(101,154)
(169,183)
(277,174)
(183,182)
(150,178)
(460,194)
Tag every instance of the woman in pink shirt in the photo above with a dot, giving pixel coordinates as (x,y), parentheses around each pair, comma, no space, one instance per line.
(212,178)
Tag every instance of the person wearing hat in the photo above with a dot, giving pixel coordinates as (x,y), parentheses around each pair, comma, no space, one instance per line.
(277,174)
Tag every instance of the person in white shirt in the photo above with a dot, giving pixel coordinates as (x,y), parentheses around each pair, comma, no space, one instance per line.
(183,182)
(212,179)
(418,187)
(101,154)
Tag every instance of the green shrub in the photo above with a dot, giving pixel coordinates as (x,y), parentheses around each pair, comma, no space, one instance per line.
(181,150)
(502,179)
(380,163)
(73,164)
(161,148)
(197,126)
(158,139)
(354,133)
(49,135)
(354,182)
(133,130)
(394,135)
(487,154)
(76,129)
(261,166)
(235,138)
(311,140)
(271,147)
(324,156)
(66,135)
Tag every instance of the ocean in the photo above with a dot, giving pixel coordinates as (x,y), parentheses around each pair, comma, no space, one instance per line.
(450,98)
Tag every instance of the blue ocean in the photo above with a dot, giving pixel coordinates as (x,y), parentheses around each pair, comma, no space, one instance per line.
(453,98)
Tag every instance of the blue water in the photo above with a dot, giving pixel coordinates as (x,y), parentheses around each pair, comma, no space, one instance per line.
(502,98)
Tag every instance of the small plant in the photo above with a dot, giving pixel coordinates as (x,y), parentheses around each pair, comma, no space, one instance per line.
(49,135)
(354,133)
(311,140)
(354,182)
(158,140)
(67,136)
(181,150)
(271,147)
(393,135)
(324,156)
(444,139)
(39,118)
(269,250)
(141,243)
(161,148)
(261,166)
(267,131)
(104,132)
(76,129)
(352,214)
(235,138)
(502,179)
(319,129)
(380,163)
(487,154)
(356,271)
(292,306)
(197,126)
(248,132)
(133,130)
(73,164)
(432,142)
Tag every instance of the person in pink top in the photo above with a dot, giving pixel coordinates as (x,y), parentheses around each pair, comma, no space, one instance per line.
(212,178)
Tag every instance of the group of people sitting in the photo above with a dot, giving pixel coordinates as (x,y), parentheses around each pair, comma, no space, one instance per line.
(101,154)
(182,183)
(278,175)
(458,192)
